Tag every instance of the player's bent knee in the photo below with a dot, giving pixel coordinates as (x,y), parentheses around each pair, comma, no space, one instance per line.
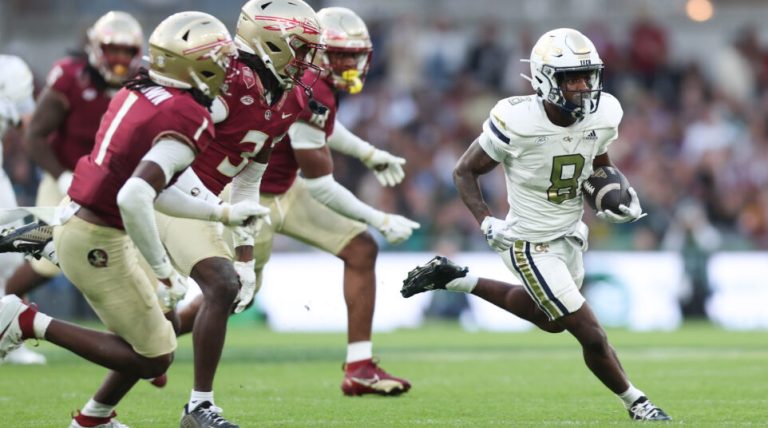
(596,343)
(217,280)
(362,250)
(551,327)
(154,367)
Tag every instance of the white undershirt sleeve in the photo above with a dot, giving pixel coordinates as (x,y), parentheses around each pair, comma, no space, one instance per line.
(136,202)
(174,202)
(219,110)
(305,136)
(326,190)
(171,156)
(245,185)
(344,141)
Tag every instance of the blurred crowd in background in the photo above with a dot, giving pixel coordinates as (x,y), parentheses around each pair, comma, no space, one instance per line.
(693,141)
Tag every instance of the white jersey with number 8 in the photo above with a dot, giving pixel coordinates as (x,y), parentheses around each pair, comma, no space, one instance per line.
(545,164)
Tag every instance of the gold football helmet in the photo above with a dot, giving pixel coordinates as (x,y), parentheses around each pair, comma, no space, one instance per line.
(348,48)
(114,46)
(191,50)
(285,34)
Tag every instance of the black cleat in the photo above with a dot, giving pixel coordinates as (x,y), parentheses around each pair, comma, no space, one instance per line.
(643,410)
(29,239)
(432,276)
(205,415)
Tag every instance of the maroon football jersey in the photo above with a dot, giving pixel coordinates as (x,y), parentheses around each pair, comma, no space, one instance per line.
(133,123)
(250,124)
(87,103)
(283,168)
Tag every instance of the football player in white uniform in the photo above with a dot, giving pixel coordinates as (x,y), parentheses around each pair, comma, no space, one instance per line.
(16,106)
(548,144)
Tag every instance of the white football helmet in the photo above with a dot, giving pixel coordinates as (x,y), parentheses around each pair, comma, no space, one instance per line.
(117,29)
(557,53)
(348,48)
(16,86)
(284,34)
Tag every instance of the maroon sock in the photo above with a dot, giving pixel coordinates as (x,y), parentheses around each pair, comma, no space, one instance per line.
(26,322)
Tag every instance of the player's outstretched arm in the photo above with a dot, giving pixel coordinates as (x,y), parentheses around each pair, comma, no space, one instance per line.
(395,228)
(245,187)
(317,166)
(387,168)
(136,202)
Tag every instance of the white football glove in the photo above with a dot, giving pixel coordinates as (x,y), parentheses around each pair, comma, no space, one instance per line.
(397,228)
(244,213)
(628,213)
(171,290)
(247,273)
(9,116)
(387,168)
(498,233)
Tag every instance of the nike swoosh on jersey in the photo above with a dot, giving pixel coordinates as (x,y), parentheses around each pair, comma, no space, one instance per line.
(285,116)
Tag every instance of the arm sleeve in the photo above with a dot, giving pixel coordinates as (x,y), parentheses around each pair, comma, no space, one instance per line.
(344,141)
(245,185)
(219,110)
(176,203)
(189,183)
(171,156)
(326,190)
(135,201)
(305,136)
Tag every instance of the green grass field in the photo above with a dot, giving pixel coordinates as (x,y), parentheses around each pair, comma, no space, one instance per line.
(702,376)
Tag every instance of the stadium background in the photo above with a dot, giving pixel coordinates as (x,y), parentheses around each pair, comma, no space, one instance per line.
(694,139)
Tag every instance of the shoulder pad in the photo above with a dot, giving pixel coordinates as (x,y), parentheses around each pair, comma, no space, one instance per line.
(609,113)
(512,117)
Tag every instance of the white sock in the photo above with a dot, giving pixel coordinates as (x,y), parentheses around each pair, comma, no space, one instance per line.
(630,396)
(359,351)
(40,324)
(97,410)
(197,397)
(464,284)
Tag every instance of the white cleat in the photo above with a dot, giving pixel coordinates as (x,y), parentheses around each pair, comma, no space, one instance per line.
(24,356)
(10,330)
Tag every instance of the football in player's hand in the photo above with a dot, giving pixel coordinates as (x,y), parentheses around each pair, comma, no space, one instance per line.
(606,189)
